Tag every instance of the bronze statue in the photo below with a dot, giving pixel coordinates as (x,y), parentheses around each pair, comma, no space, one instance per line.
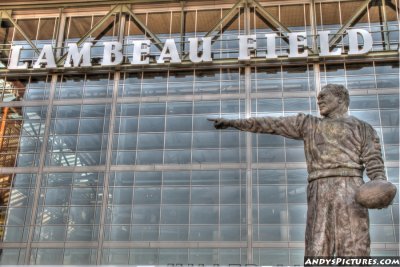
(338,148)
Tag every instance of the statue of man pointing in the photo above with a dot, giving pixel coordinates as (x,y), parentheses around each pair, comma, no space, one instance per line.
(338,148)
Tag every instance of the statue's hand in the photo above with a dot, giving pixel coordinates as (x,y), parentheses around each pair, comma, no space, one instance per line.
(220,123)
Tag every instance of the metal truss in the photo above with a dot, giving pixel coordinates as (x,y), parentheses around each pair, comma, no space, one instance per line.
(92,30)
(7,15)
(156,41)
(353,20)
(118,11)
(269,19)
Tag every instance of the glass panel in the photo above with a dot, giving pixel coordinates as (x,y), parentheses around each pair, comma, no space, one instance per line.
(203,233)
(272,214)
(204,195)
(230,215)
(174,214)
(174,195)
(121,214)
(145,233)
(151,124)
(48,256)
(147,196)
(146,214)
(122,196)
(148,178)
(204,214)
(151,141)
(178,140)
(79,256)
(271,233)
(176,178)
(272,194)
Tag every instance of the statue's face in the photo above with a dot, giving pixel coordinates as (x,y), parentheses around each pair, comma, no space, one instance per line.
(328,103)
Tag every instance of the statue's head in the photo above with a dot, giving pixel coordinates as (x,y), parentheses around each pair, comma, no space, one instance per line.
(333,100)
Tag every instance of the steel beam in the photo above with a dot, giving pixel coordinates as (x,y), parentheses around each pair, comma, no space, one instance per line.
(7,14)
(2,45)
(338,36)
(249,140)
(228,16)
(271,19)
(3,125)
(62,19)
(92,30)
(392,6)
(275,24)
(157,42)
(104,31)
(313,26)
(183,26)
(226,19)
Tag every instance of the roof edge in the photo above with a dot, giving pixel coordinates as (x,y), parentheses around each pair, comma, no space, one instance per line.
(73,3)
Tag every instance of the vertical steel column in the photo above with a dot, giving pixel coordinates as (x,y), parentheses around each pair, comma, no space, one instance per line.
(313,21)
(43,150)
(3,125)
(385,29)
(42,158)
(117,75)
(182,30)
(316,66)
(317,78)
(249,178)
(1,44)
(60,34)
(122,23)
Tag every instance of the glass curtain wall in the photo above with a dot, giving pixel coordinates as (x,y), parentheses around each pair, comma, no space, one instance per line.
(122,167)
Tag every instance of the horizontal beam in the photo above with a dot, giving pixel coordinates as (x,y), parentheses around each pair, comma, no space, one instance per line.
(72,3)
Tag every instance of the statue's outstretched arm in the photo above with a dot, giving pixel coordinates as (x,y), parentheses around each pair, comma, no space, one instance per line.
(290,126)
(220,123)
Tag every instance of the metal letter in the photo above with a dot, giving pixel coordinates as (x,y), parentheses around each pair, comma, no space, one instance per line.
(324,45)
(271,46)
(353,41)
(247,43)
(141,49)
(77,56)
(15,53)
(206,53)
(169,52)
(294,43)
(46,57)
(112,48)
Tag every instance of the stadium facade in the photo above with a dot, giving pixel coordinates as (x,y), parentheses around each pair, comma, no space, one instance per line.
(106,156)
